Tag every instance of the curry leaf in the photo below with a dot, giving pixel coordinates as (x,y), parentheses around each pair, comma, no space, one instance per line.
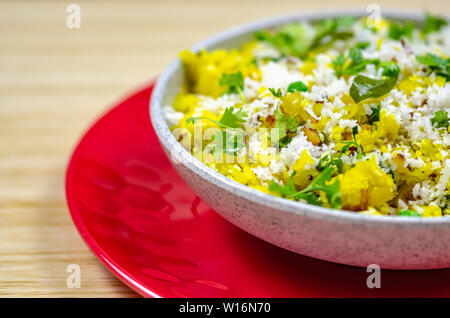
(364,87)
(298,86)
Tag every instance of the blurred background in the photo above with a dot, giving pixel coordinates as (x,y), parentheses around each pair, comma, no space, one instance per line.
(56,80)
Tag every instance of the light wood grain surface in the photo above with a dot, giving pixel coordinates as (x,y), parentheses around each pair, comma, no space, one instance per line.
(54,82)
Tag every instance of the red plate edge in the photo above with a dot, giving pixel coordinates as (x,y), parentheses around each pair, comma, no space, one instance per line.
(413,283)
(122,275)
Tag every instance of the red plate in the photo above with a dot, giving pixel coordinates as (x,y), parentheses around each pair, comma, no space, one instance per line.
(148,227)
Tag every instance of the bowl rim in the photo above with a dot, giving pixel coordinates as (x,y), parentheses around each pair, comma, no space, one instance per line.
(182,156)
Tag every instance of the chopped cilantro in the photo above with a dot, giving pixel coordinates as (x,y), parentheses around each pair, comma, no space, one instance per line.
(292,40)
(431,59)
(285,190)
(349,144)
(276,93)
(355,53)
(338,64)
(285,141)
(232,140)
(329,30)
(321,183)
(433,23)
(230,121)
(235,83)
(289,40)
(267,58)
(354,63)
(408,213)
(323,30)
(345,22)
(233,119)
(437,64)
(440,119)
(390,69)
(362,45)
(285,124)
(328,160)
(375,115)
(398,30)
(230,118)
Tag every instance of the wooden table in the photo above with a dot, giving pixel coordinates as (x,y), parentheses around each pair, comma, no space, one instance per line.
(54,82)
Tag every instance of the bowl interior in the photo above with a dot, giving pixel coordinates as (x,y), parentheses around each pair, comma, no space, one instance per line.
(170,82)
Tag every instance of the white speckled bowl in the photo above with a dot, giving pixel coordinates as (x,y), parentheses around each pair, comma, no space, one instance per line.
(332,235)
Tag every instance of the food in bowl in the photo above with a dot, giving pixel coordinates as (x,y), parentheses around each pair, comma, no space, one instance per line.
(344,113)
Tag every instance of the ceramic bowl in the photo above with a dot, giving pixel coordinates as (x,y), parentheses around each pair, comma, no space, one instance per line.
(332,235)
